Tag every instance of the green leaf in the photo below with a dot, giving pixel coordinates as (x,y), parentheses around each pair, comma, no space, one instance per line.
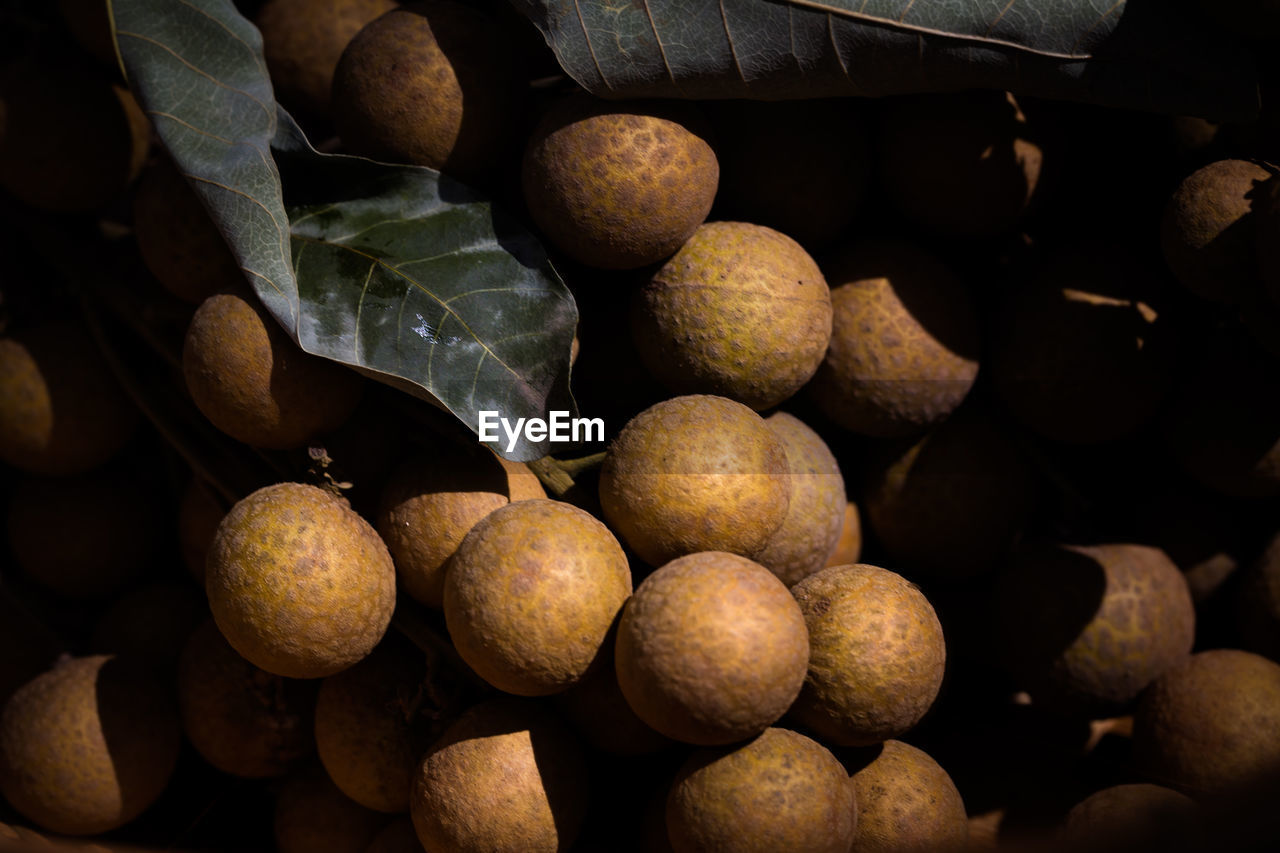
(1142,54)
(398,271)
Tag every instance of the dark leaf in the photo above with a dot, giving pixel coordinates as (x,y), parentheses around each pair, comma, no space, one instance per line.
(1142,54)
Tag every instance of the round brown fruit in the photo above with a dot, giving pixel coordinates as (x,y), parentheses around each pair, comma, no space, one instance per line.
(313,816)
(711,649)
(1136,816)
(299,584)
(907,804)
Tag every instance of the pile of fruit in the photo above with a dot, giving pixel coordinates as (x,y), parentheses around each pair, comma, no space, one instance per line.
(935,504)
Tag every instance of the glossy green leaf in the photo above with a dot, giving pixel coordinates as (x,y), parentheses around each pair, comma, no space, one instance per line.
(397,271)
(1141,54)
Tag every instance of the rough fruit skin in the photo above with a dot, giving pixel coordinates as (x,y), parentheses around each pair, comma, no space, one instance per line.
(429,504)
(61,410)
(1088,627)
(532,593)
(711,649)
(1210,727)
(816,514)
(618,185)
(299,584)
(242,720)
(254,383)
(313,816)
(1136,816)
(87,746)
(504,777)
(849,545)
(695,473)
(907,804)
(1207,233)
(740,311)
(876,655)
(904,341)
(431,84)
(781,791)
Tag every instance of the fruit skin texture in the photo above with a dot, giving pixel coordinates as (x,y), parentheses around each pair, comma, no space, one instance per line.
(1136,816)
(1207,231)
(87,746)
(299,584)
(254,383)
(428,505)
(711,649)
(876,655)
(1210,727)
(431,84)
(531,594)
(618,185)
(740,311)
(503,777)
(904,341)
(781,791)
(816,514)
(1088,627)
(242,720)
(695,473)
(907,804)
(61,411)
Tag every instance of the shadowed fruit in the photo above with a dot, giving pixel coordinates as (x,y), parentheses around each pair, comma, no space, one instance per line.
(242,720)
(61,410)
(876,655)
(1267,213)
(904,341)
(299,584)
(780,791)
(907,804)
(428,83)
(740,311)
(1134,817)
(151,624)
(817,512)
(1258,603)
(429,503)
(87,746)
(531,594)
(504,777)
(399,836)
(695,473)
(313,816)
(849,545)
(199,514)
(618,185)
(711,649)
(254,383)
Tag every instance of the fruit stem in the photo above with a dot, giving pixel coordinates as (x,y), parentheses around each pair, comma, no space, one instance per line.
(558,476)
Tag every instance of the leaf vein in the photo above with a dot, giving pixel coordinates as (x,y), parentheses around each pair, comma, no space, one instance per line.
(205,74)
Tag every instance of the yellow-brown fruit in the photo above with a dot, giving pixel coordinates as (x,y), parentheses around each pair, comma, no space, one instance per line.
(962,165)
(504,778)
(1131,817)
(1086,628)
(151,624)
(904,341)
(87,746)
(375,720)
(618,185)
(299,584)
(1210,727)
(1207,232)
(313,816)
(399,836)
(254,383)
(907,804)
(199,514)
(177,239)
(242,720)
(781,791)
(302,41)
(849,546)
(600,715)
(428,505)
(711,649)
(429,83)
(531,594)
(950,503)
(61,410)
(741,311)
(816,513)
(83,536)
(1084,352)
(876,655)
(52,108)
(695,473)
